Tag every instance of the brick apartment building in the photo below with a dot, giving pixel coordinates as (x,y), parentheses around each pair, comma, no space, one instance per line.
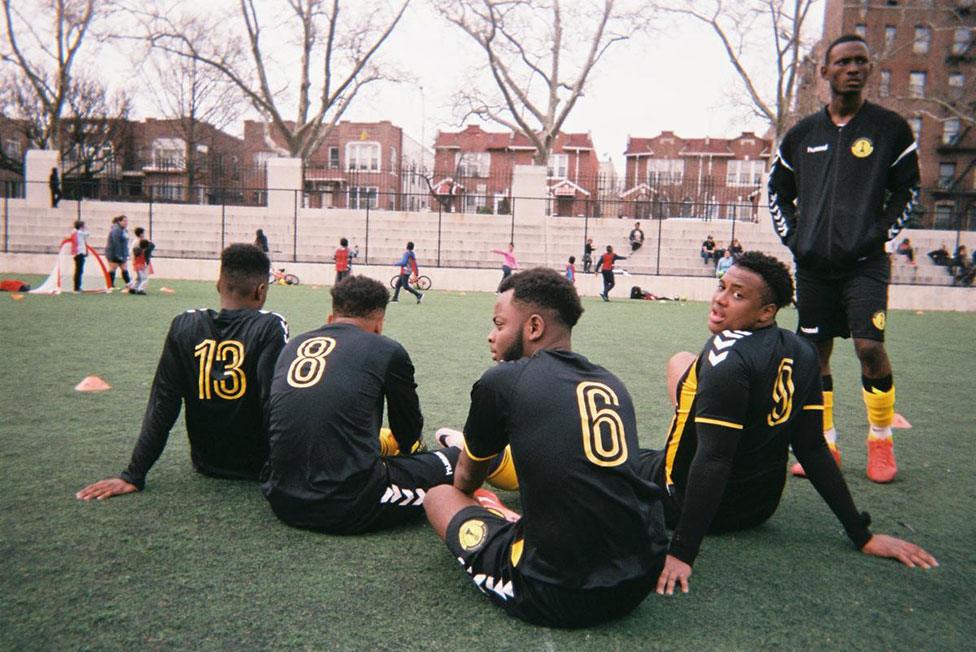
(360,165)
(707,178)
(925,69)
(473,171)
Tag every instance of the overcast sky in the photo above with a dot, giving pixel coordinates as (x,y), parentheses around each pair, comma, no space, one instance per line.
(676,79)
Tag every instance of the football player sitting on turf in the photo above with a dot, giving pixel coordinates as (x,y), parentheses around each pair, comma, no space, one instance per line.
(329,468)
(219,364)
(591,542)
(752,392)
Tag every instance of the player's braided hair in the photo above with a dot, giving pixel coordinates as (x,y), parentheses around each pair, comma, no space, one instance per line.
(243,267)
(546,288)
(776,275)
(358,296)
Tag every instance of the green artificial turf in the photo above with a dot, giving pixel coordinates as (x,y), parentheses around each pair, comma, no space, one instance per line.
(197,563)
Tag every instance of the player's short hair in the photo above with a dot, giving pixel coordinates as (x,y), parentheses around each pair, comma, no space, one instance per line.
(776,276)
(844,38)
(410,246)
(572,259)
(545,288)
(79,224)
(139,231)
(243,267)
(343,242)
(358,296)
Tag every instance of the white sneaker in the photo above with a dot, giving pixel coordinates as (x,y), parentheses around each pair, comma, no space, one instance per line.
(448,437)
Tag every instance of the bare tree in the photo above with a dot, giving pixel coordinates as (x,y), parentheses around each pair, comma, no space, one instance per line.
(44,55)
(539,54)
(771,30)
(94,130)
(335,55)
(197,99)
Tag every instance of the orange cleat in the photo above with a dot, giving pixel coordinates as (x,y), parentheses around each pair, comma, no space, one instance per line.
(881,460)
(797,469)
(493,504)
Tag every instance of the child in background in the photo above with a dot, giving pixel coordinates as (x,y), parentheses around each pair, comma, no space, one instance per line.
(571,270)
(141,235)
(140,254)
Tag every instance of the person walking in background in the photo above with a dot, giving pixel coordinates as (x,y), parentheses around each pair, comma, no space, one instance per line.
(571,270)
(843,182)
(588,250)
(408,269)
(141,267)
(117,250)
(509,261)
(605,264)
(343,263)
(54,183)
(906,249)
(79,251)
(261,241)
(636,238)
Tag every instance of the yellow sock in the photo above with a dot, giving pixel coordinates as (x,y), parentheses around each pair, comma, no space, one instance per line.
(881,410)
(828,417)
(504,476)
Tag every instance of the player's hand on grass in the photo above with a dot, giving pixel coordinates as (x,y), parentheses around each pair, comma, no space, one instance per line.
(106,489)
(674,575)
(882,545)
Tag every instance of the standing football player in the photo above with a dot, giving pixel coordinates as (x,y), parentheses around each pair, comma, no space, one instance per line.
(590,544)
(219,364)
(752,392)
(842,184)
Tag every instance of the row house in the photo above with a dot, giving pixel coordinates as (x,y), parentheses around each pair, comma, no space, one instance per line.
(358,165)
(924,56)
(473,171)
(705,178)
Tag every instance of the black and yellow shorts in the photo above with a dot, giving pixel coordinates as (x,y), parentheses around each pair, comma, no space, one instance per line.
(489,548)
(844,304)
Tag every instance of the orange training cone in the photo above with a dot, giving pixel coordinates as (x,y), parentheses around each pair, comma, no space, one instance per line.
(166,290)
(17,297)
(92,384)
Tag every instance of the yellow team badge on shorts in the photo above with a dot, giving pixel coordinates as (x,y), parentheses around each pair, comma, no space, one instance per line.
(878,319)
(862,148)
(472,534)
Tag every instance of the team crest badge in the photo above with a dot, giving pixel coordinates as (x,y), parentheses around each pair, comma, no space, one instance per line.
(472,534)
(878,319)
(862,148)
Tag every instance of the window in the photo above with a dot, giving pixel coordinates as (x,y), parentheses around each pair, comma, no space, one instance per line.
(393,159)
(861,30)
(334,158)
(362,156)
(916,125)
(362,197)
(11,148)
(957,84)
(665,171)
(472,164)
(884,87)
(947,174)
(923,38)
(916,84)
(168,154)
(890,32)
(558,165)
(943,216)
(950,131)
(744,173)
(960,40)
(169,193)
(261,158)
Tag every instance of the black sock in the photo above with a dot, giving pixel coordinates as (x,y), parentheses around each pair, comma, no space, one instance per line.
(881,384)
(125,277)
(827,382)
(111,276)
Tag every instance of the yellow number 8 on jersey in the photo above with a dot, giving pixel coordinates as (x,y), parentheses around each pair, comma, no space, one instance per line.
(309,363)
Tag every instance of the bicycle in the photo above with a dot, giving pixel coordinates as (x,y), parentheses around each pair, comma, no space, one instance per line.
(419,283)
(280,277)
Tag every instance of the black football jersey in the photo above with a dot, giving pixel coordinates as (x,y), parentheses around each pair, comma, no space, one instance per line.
(753,382)
(590,519)
(219,365)
(326,410)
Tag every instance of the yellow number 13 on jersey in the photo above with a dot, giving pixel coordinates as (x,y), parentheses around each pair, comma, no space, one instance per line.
(604,440)
(234,382)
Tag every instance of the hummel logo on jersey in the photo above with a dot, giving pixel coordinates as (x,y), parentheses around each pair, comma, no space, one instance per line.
(722,341)
(817,149)
(499,586)
(403,497)
(448,470)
